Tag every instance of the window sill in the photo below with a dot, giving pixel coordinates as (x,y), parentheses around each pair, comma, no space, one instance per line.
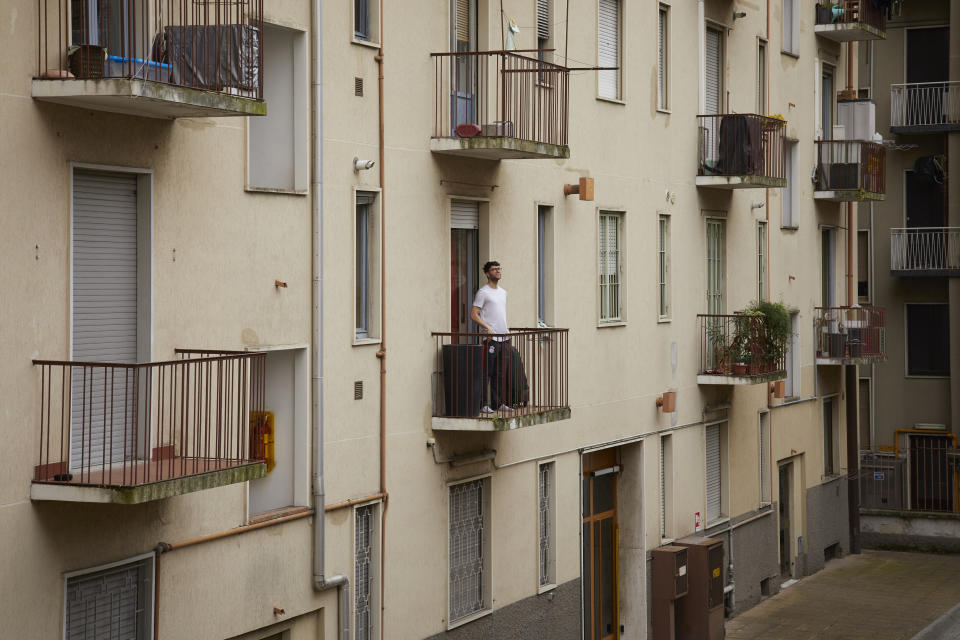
(612,100)
(283,192)
(362,342)
(276,514)
(664,111)
(470,618)
(612,323)
(664,320)
(365,43)
(716,523)
(790,54)
(911,376)
(791,227)
(666,541)
(545,588)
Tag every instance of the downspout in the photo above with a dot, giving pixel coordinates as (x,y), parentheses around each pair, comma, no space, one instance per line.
(321,581)
(382,351)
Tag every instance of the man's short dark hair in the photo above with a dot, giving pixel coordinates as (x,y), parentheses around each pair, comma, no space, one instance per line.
(490,265)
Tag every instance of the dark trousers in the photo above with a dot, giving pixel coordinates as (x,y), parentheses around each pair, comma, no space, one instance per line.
(495,363)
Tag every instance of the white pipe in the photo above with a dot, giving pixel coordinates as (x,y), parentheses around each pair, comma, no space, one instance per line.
(320,581)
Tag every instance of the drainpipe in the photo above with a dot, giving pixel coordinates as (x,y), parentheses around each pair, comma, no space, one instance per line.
(850,373)
(321,581)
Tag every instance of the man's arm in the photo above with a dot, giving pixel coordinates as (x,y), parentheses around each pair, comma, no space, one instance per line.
(475,316)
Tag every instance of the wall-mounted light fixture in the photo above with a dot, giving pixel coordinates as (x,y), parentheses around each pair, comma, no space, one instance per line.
(739,14)
(584,188)
(668,402)
(362,165)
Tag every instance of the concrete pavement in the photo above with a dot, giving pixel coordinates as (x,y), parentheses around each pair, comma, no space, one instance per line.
(877,595)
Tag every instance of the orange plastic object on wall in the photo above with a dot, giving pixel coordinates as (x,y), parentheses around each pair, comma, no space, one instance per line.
(262,437)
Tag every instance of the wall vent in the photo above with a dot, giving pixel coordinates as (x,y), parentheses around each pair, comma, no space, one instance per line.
(358,87)
(358,390)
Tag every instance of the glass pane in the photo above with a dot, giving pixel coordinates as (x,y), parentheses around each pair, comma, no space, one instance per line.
(598,578)
(585,496)
(603,493)
(585,590)
(607,577)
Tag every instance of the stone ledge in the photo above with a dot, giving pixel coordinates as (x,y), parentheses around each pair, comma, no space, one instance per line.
(500,423)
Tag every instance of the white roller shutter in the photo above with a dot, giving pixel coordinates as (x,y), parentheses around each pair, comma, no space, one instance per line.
(608,48)
(788,44)
(713,472)
(464,214)
(713,69)
(104,311)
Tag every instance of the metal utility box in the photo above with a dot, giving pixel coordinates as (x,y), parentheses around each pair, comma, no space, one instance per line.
(859,119)
(700,612)
(669,584)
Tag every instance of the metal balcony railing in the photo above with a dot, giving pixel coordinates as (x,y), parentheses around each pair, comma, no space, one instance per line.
(500,94)
(214,45)
(851,165)
(921,478)
(741,145)
(852,12)
(850,332)
(738,345)
(925,249)
(123,425)
(527,372)
(925,105)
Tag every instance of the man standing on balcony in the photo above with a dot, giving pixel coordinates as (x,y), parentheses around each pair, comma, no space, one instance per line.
(490,313)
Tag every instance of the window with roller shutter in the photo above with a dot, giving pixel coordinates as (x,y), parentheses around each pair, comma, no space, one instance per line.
(112,602)
(714,471)
(608,48)
(713,69)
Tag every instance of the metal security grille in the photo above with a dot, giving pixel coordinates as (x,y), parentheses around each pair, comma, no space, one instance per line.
(761,260)
(546,532)
(662,59)
(110,604)
(663,486)
(363,570)
(609,253)
(466,549)
(663,292)
(713,472)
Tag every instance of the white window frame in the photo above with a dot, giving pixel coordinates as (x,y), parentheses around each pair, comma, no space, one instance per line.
(373,24)
(374,568)
(545,261)
(487,608)
(147,559)
(762,63)
(373,255)
(618,317)
(724,474)
(793,382)
(721,262)
(548,581)
(834,400)
(793,49)
(789,195)
(619,97)
(666,488)
(664,311)
(663,57)
(764,432)
(763,239)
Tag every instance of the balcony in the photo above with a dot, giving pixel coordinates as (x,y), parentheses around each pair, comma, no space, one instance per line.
(739,349)
(850,335)
(850,20)
(498,105)
(532,373)
(920,477)
(925,251)
(132,433)
(152,58)
(741,151)
(850,171)
(925,107)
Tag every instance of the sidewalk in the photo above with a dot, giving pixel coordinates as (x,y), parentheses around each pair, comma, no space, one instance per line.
(877,595)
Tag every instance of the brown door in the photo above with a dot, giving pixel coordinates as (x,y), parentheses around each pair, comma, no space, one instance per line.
(599,575)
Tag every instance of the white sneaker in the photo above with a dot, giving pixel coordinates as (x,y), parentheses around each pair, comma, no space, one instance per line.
(504,407)
(487,409)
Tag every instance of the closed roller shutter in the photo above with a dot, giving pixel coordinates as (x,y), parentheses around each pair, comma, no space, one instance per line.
(608,48)
(464,214)
(109,604)
(104,313)
(713,472)
(788,44)
(543,19)
(713,69)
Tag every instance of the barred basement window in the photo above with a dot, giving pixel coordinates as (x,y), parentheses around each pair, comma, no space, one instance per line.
(546,519)
(364,570)
(113,602)
(469,545)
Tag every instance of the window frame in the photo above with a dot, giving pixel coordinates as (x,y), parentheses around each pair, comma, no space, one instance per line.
(789,202)
(762,62)
(833,469)
(374,255)
(373,24)
(724,479)
(765,457)
(664,297)
(545,263)
(763,243)
(375,544)
(794,49)
(906,341)
(666,488)
(620,317)
(868,276)
(663,58)
(794,382)
(621,56)
(486,482)
(551,578)
(146,559)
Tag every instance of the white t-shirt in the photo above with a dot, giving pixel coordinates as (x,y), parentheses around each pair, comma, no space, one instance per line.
(493,307)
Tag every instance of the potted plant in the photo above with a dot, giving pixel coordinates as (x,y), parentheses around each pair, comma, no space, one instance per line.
(769,340)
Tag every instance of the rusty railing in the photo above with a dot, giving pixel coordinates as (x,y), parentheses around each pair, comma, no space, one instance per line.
(920,477)
(739,345)
(215,45)
(852,12)
(500,94)
(851,165)
(933,105)
(118,424)
(925,249)
(525,370)
(741,144)
(850,332)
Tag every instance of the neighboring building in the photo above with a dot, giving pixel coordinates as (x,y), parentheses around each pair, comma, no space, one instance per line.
(308,275)
(911,266)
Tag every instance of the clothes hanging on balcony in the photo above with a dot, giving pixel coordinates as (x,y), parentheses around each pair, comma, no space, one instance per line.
(740,146)
(931,167)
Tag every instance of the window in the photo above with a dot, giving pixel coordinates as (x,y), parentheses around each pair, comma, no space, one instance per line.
(543,28)
(663,265)
(761,260)
(827,268)
(277,151)
(546,519)
(365,21)
(716,258)
(666,481)
(713,67)
(611,225)
(367,268)
(863,266)
(792,383)
(790,23)
(716,447)
(469,549)
(111,602)
(762,78)
(608,48)
(765,457)
(545,264)
(830,445)
(866,414)
(826,103)
(928,340)
(788,210)
(663,69)
(365,570)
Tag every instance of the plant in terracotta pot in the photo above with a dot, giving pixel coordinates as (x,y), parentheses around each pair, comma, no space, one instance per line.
(770,339)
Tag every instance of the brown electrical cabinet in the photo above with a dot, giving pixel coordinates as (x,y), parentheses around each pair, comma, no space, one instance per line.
(700,612)
(669,584)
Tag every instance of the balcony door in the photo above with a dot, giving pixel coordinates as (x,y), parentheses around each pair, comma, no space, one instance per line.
(928,55)
(108,301)
(716,285)
(464,263)
(599,554)
(464,68)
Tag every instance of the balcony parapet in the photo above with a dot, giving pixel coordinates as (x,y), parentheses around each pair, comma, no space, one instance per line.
(529,386)
(925,107)
(850,21)
(741,151)
(497,105)
(850,335)
(925,251)
(850,171)
(739,349)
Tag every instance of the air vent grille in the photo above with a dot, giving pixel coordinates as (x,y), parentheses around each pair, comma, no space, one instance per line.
(358,87)
(358,390)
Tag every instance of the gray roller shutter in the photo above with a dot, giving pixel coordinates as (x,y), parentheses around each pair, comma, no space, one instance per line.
(608,48)
(788,43)
(464,214)
(713,472)
(104,313)
(110,604)
(543,19)
(713,69)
